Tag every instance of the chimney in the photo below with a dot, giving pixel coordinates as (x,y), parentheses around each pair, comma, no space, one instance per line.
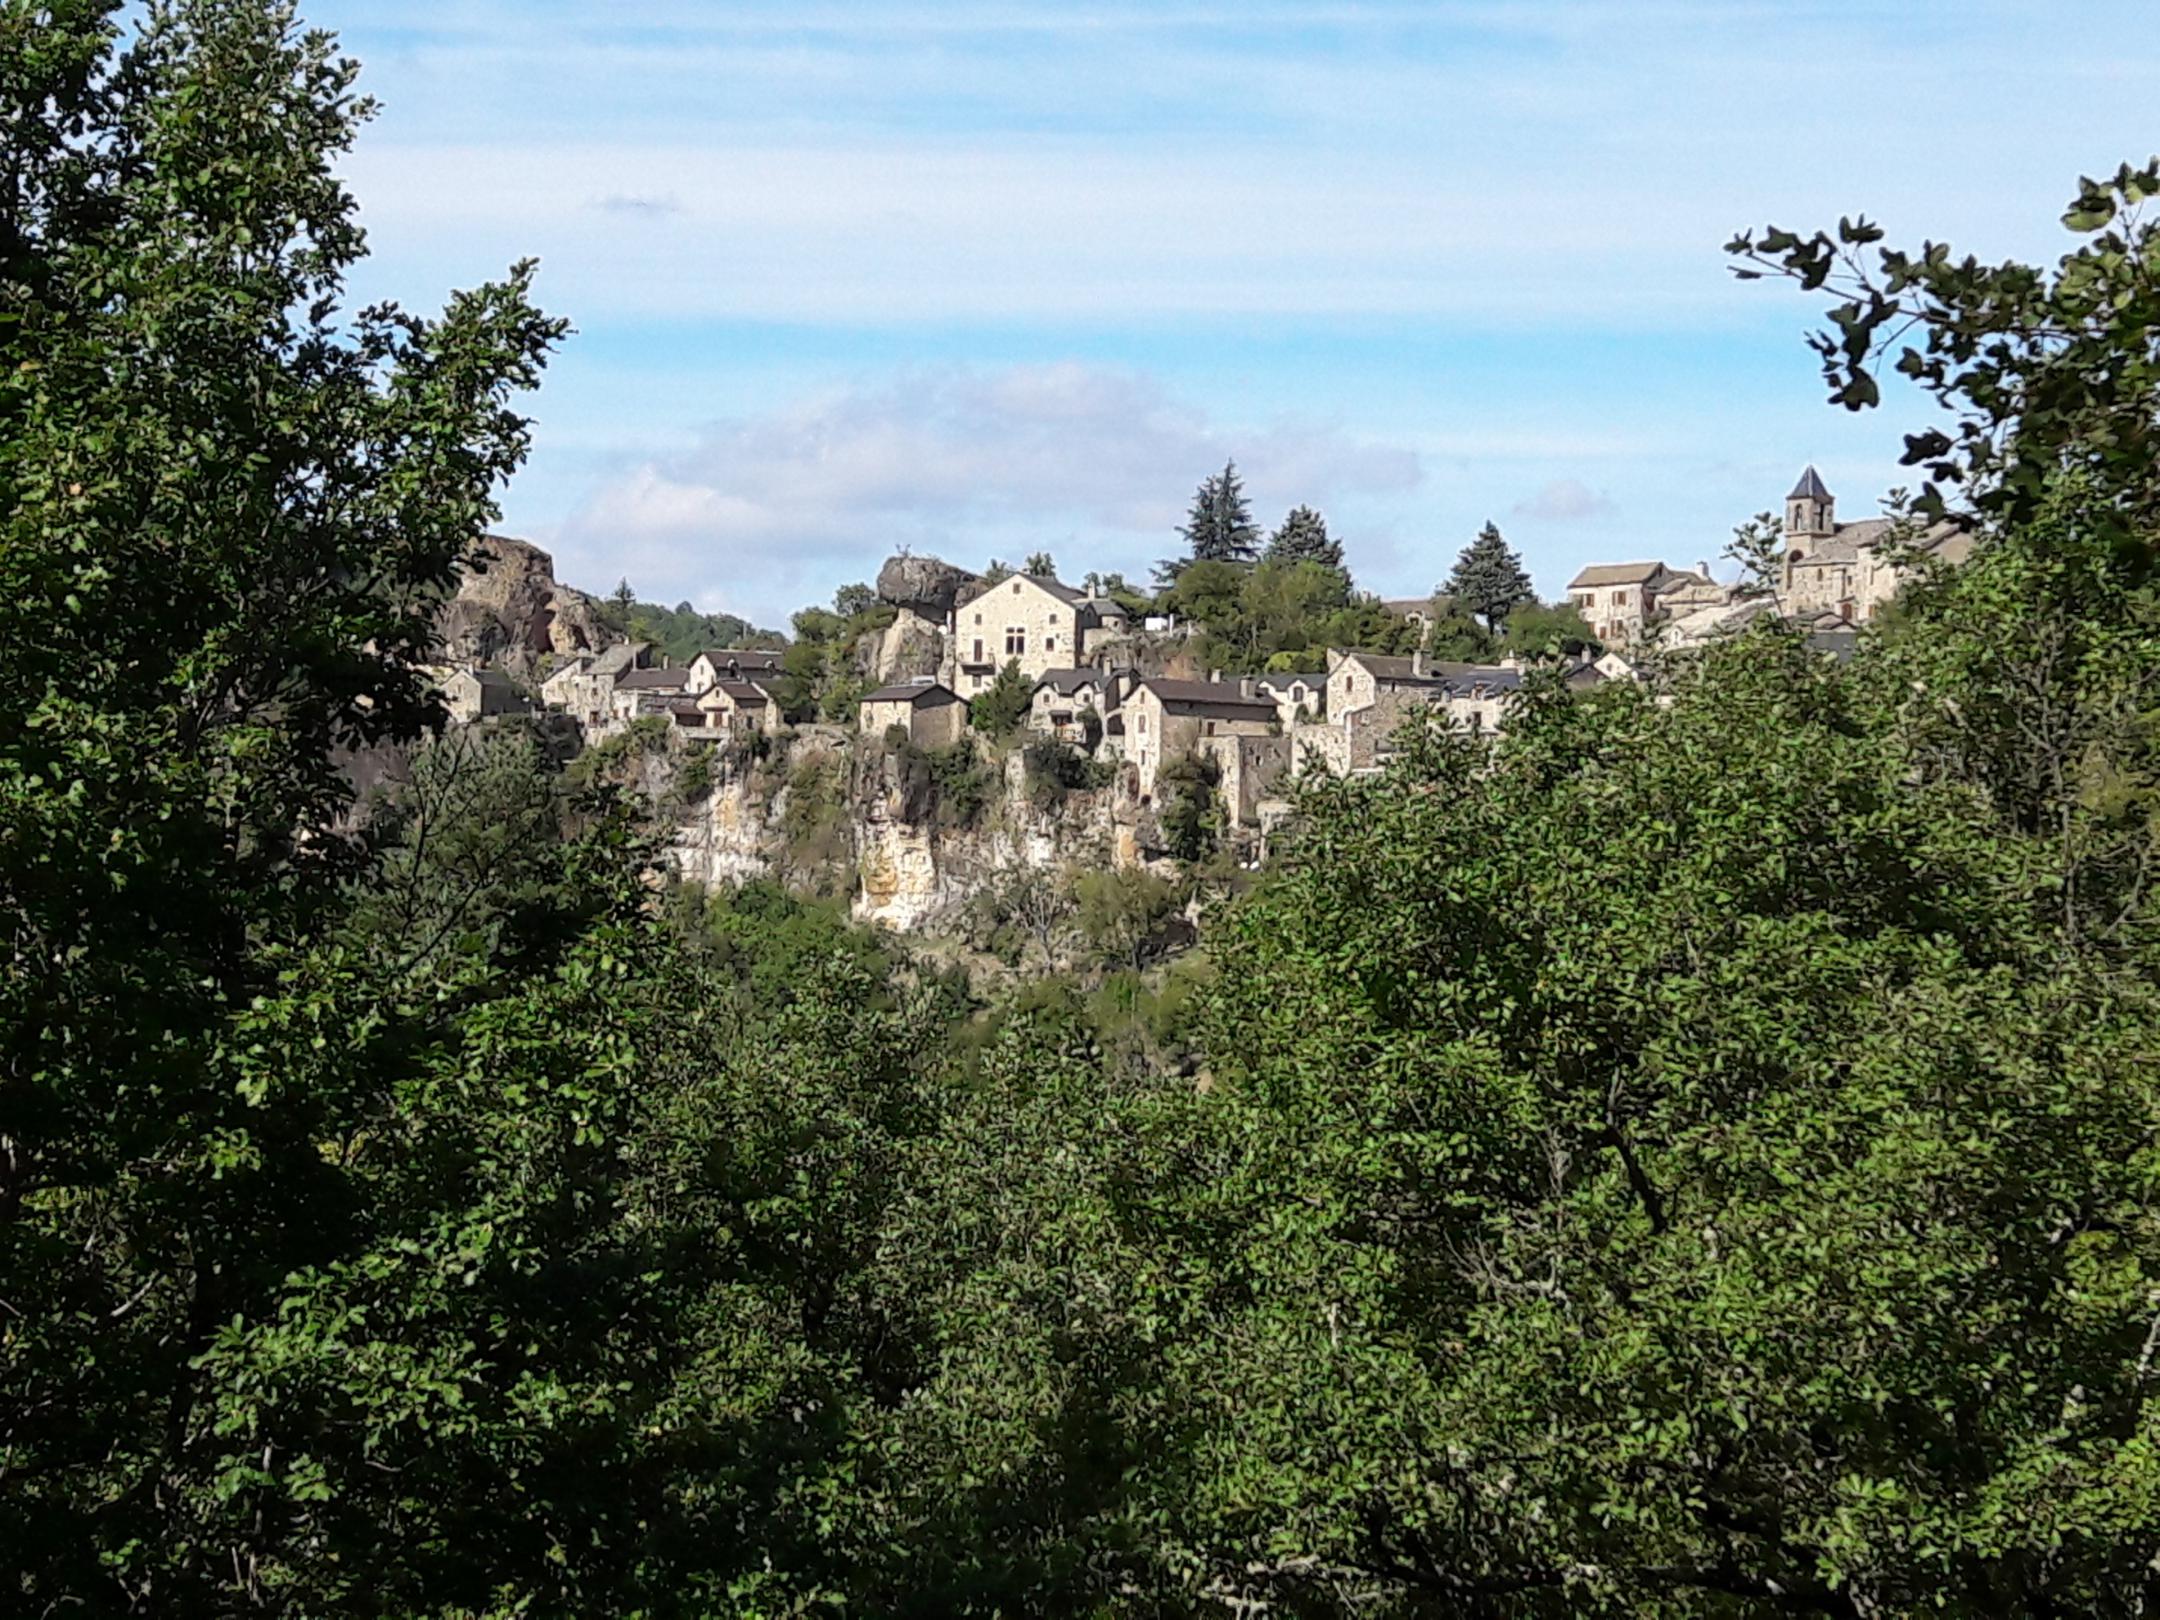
(1244,686)
(1417,663)
(1214,675)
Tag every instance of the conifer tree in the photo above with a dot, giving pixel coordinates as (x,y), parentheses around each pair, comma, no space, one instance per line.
(1219,528)
(1489,580)
(1304,537)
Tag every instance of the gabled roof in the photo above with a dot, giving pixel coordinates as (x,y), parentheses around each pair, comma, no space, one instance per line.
(1056,587)
(621,656)
(1207,694)
(1810,487)
(1065,682)
(494,680)
(650,680)
(1628,573)
(1283,680)
(746,693)
(762,658)
(914,692)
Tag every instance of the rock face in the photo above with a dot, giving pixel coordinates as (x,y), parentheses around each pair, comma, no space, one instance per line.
(911,646)
(925,584)
(510,611)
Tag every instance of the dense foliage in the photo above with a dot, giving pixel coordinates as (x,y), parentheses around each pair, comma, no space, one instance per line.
(1701,1157)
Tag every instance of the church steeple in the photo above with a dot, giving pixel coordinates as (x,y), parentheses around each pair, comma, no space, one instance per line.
(1810,509)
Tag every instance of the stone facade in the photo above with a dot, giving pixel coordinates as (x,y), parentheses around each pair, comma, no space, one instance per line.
(1068,704)
(932,714)
(1166,720)
(758,664)
(1030,620)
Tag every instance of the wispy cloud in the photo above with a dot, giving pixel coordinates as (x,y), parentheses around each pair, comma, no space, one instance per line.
(1092,461)
(1566,500)
(643,207)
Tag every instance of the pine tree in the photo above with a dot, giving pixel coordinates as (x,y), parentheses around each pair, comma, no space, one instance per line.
(1219,528)
(1489,580)
(1304,537)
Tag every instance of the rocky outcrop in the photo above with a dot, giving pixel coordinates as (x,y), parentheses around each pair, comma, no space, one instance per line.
(509,611)
(911,646)
(926,585)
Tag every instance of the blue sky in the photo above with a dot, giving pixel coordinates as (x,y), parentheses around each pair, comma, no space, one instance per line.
(985,279)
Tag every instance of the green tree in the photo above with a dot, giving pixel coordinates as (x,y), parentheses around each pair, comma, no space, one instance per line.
(1549,629)
(1303,538)
(2038,370)
(1489,580)
(853,601)
(1219,528)
(1041,564)
(1002,708)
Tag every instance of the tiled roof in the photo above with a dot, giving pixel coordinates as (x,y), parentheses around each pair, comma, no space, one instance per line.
(1065,682)
(747,693)
(1057,588)
(1214,693)
(759,658)
(1629,573)
(1810,487)
(912,692)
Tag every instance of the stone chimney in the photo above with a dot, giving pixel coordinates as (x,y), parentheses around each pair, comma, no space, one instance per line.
(1417,663)
(1244,686)
(1214,675)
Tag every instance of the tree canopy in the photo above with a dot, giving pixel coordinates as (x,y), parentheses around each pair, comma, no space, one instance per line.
(1489,580)
(1693,1156)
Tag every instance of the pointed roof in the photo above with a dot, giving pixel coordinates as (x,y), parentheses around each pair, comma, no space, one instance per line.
(1810,487)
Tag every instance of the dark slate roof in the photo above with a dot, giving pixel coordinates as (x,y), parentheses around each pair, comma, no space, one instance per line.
(1390,667)
(1065,682)
(1476,678)
(748,693)
(1283,680)
(494,680)
(1213,694)
(1837,644)
(760,658)
(659,680)
(1810,487)
(912,692)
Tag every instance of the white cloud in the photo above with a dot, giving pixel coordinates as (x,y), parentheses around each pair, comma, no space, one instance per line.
(1566,500)
(1094,464)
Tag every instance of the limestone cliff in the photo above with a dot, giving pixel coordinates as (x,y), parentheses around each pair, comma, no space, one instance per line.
(829,814)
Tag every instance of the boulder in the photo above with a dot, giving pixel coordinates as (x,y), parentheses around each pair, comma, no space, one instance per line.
(925,584)
(510,611)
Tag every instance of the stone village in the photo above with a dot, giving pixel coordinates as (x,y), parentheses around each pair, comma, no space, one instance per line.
(1127,696)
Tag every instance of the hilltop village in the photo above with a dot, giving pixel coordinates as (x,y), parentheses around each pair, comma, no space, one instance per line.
(982,722)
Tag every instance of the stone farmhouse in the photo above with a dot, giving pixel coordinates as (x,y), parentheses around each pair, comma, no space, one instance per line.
(1069,704)
(1031,620)
(931,713)
(760,665)
(730,708)
(1160,720)
(475,694)
(584,687)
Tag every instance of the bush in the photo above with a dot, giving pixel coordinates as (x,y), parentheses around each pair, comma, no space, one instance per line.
(1055,768)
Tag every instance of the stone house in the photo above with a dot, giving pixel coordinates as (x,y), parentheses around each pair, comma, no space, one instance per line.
(737,708)
(716,664)
(931,713)
(584,687)
(1618,600)
(1031,620)
(472,694)
(1165,720)
(1299,697)
(1069,704)
(639,692)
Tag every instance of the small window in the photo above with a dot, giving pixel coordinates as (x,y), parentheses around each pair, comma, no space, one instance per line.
(1015,640)
(1016,587)
(1049,643)
(1140,724)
